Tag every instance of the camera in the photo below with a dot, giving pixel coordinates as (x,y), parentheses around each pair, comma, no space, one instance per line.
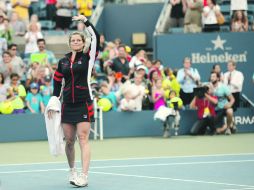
(200,91)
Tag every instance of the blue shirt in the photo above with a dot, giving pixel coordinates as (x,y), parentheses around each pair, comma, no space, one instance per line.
(222,91)
(46,92)
(187,83)
(112,98)
(34,101)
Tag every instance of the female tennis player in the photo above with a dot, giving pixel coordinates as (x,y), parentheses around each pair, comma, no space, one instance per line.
(77,107)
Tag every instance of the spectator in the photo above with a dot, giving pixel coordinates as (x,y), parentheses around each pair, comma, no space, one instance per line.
(21,8)
(43,56)
(46,90)
(188,78)
(158,95)
(177,13)
(6,67)
(234,79)
(139,91)
(132,95)
(18,26)
(7,33)
(3,46)
(153,75)
(142,70)
(17,94)
(3,89)
(127,103)
(115,81)
(138,59)
(31,38)
(224,106)
(121,64)
(104,87)
(239,22)
(108,55)
(175,103)
(34,100)
(2,27)
(85,7)
(34,19)
(32,73)
(16,61)
(217,69)
(63,14)
(192,18)
(205,104)
(236,5)
(210,13)
(103,43)
(148,64)
(51,9)
(34,7)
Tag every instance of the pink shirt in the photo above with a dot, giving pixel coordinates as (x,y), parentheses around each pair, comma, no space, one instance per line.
(50,1)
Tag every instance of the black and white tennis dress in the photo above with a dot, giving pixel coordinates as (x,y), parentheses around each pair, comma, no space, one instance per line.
(77,103)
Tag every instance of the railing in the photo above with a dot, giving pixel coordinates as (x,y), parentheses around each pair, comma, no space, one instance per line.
(248,100)
(163,19)
(97,12)
(97,128)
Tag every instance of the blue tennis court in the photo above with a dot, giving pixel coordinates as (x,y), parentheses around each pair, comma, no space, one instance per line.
(210,172)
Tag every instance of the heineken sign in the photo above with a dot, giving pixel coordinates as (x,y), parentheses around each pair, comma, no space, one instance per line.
(224,57)
(206,49)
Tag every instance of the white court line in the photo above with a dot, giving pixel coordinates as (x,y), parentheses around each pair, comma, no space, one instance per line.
(241,188)
(135,158)
(172,179)
(133,165)
(172,164)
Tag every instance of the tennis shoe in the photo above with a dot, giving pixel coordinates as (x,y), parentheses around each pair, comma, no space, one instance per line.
(73,176)
(82,180)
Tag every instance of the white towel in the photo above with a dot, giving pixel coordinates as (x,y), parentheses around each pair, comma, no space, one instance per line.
(54,128)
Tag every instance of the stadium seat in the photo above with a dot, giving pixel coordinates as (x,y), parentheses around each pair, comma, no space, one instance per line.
(54,32)
(225,28)
(225,2)
(225,9)
(250,2)
(250,20)
(227,20)
(176,30)
(47,24)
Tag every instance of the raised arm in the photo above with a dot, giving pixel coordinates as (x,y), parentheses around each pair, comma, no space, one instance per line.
(94,47)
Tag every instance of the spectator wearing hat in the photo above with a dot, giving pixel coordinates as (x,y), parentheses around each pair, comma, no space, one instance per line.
(34,100)
(46,90)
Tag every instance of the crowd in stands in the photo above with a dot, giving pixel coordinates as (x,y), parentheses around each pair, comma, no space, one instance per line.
(123,79)
(210,15)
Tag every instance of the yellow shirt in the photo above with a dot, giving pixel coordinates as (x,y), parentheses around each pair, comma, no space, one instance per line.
(21,10)
(85,7)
